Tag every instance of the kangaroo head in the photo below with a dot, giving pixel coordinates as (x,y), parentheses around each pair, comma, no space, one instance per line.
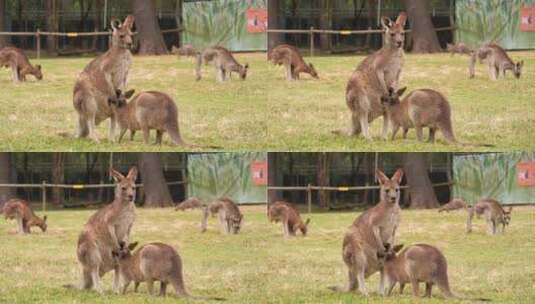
(42,224)
(393,97)
(394,31)
(123,251)
(390,192)
(37,72)
(390,253)
(517,70)
(121,98)
(243,71)
(125,189)
(507,215)
(235,223)
(122,32)
(312,71)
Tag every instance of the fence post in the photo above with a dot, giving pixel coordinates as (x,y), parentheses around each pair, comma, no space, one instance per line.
(311,41)
(309,198)
(38,43)
(43,193)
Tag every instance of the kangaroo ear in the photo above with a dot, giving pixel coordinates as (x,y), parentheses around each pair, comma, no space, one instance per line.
(116,175)
(520,64)
(115,24)
(118,93)
(132,174)
(311,65)
(401,91)
(129,94)
(131,246)
(402,19)
(397,248)
(129,21)
(386,22)
(508,210)
(44,218)
(381,177)
(397,176)
(38,67)
(246,66)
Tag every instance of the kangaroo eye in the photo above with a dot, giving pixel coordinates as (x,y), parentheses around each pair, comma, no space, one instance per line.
(124,188)
(121,36)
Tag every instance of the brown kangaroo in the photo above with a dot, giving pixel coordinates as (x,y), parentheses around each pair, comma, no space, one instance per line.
(371,233)
(454,204)
(99,81)
(372,78)
(21,211)
(459,48)
(497,60)
(292,60)
(19,63)
(190,203)
(419,109)
(229,215)
(289,215)
(223,62)
(105,230)
(494,213)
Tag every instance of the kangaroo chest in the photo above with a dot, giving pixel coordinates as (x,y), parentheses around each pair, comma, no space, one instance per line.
(124,221)
(390,223)
(120,70)
(393,69)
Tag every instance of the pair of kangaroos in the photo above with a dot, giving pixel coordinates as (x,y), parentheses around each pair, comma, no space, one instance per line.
(369,246)
(103,245)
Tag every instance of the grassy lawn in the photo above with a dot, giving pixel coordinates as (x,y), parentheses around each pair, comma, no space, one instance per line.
(258,266)
(502,113)
(230,115)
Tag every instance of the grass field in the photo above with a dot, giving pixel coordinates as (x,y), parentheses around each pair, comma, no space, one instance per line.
(258,266)
(501,113)
(230,115)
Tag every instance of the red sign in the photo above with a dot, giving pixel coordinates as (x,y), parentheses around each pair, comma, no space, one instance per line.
(527,19)
(525,174)
(257,20)
(259,172)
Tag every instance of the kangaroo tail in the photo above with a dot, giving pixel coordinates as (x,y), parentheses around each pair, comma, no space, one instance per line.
(198,67)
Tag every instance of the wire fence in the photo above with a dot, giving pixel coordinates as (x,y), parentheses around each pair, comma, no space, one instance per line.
(309,188)
(44,185)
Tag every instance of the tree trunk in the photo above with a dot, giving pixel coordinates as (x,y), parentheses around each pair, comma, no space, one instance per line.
(99,5)
(325,24)
(178,17)
(7,176)
(423,35)
(274,177)
(149,34)
(421,192)
(51,25)
(323,178)
(3,13)
(274,39)
(154,185)
(58,177)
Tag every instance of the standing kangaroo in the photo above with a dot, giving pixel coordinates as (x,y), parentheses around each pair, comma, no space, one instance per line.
(100,80)
(21,211)
(105,230)
(223,61)
(229,215)
(497,60)
(289,215)
(494,213)
(419,109)
(292,60)
(372,78)
(371,233)
(19,63)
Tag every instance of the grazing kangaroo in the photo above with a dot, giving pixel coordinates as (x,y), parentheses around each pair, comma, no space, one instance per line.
(228,213)
(371,233)
(454,204)
(187,50)
(19,63)
(497,60)
(104,231)
(223,61)
(292,60)
(151,262)
(190,203)
(419,109)
(289,215)
(494,213)
(459,48)
(100,80)
(372,78)
(21,211)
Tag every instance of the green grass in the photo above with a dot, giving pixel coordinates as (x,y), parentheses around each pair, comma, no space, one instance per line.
(259,266)
(230,115)
(501,113)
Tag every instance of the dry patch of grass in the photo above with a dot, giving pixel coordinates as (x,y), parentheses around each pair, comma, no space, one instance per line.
(259,266)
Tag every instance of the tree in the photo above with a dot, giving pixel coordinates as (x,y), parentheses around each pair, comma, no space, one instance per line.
(274,39)
(150,36)
(51,24)
(7,176)
(424,37)
(154,185)
(323,178)
(274,177)
(58,177)
(421,192)
(325,23)
(3,39)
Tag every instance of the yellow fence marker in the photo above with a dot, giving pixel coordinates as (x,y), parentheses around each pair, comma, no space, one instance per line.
(72,34)
(345,32)
(78,186)
(343,188)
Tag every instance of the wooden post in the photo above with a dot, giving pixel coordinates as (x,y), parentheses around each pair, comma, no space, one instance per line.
(309,198)
(311,34)
(38,43)
(449,174)
(43,193)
